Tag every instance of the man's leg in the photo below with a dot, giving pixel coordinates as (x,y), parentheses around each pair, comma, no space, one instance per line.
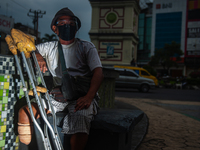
(78,141)
(77,124)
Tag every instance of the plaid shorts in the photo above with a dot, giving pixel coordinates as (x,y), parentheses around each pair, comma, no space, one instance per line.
(75,122)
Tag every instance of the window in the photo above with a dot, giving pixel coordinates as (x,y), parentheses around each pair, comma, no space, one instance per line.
(130,74)
(141,27)
(144,73)
(168,28)
(148,33)
(122,73)
(137,71)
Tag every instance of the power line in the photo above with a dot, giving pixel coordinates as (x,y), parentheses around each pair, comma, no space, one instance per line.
(35,15)
(20,5)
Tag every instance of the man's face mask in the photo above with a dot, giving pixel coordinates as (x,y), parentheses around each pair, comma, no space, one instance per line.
(67,30)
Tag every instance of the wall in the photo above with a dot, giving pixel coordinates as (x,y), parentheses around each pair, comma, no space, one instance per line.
(114,30)
(10,91)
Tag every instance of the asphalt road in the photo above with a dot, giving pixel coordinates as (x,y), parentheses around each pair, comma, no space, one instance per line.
(161,94)
(186,102)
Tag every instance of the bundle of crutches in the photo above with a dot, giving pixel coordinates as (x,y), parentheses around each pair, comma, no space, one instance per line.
(25,44)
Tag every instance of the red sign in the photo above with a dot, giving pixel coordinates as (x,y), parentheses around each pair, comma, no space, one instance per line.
(158,6)
(6,24)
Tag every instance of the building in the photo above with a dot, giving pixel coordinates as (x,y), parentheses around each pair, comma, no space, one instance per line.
(169,24)
(144,33)
(114,30)
(192,40)
(6,23)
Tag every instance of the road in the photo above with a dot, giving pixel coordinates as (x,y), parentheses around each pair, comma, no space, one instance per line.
(182,101)
(161,94)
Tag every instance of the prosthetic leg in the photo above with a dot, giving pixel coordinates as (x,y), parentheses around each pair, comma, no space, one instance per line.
(26,46)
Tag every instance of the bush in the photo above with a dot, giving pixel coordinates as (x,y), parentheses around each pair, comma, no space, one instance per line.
(161,82)
(195,74)
(193,81)
(150,70)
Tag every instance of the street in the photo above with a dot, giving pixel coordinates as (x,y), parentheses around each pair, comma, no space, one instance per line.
(181,101)
(173,117)
(161,94)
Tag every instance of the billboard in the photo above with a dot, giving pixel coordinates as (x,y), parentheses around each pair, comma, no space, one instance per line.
(6,24)
(193,38)
(193,29)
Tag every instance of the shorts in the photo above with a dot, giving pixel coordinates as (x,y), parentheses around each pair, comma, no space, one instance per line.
(74,122)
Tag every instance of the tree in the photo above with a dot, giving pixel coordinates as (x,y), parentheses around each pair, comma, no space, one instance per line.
(150,69)
(48,37)
(164,56)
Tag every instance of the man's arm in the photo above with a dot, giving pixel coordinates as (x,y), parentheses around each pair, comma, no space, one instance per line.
(85,101)
(41,62)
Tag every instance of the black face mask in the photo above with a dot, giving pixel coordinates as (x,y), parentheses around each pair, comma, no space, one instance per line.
(67,32)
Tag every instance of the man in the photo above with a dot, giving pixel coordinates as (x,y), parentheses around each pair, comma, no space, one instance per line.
(81,59)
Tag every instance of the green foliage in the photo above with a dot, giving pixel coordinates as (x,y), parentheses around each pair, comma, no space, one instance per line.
(195,74)
(193,81)
(163,56)
(150,70)
(161,82)
(48,38)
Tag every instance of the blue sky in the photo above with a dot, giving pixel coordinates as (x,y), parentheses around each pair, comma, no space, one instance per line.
(18,9)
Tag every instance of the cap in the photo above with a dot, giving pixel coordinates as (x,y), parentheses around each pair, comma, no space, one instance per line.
(65,12)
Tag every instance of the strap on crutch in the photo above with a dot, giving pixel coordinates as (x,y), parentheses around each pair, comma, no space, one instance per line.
(55,135)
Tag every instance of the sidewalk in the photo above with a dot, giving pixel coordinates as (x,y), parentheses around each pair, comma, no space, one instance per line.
(166,129)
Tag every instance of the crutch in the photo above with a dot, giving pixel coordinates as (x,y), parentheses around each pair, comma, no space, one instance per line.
(42,111)
(27,55)
(29,62)
(48,97)
(46,94)
(55,136)
(13,49)
(15,34)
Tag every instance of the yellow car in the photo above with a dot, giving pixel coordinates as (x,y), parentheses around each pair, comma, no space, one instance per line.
(141,72)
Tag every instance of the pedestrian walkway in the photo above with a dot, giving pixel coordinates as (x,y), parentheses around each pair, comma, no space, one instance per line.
(167,129)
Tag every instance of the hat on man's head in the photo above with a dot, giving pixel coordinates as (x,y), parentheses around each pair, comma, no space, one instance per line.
(65,12)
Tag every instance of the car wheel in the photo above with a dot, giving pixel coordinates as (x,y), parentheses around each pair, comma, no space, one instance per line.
(144,88)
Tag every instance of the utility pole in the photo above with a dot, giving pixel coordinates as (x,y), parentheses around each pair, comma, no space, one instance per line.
(36,14)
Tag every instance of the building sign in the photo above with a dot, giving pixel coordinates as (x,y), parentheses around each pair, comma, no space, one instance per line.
(167,5)
(164,5)
(104,44)
(193,38)
(194,32)
(116,57)
(6,24)
(110,50)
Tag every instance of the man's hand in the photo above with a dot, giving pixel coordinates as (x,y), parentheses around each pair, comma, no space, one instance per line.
(41,62)
(83,103)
